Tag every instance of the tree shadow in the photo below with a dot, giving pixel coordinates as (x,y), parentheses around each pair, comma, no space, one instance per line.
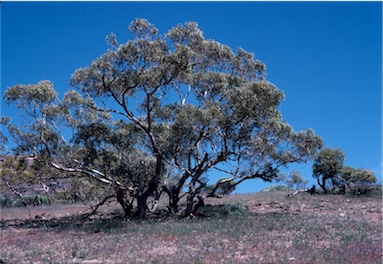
(98,222)
(80,222)
(86,222)
(115,221)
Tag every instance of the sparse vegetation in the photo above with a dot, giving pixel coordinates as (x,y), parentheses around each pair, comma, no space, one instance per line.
(259,228)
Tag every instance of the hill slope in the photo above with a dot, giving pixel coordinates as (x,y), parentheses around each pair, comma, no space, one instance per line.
(255,228)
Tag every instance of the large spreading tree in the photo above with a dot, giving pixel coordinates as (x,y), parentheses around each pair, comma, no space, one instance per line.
(157,114)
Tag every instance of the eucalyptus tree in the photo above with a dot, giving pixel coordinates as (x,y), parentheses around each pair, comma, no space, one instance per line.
(359,181)
(357,176)
(158,113)
(328,165)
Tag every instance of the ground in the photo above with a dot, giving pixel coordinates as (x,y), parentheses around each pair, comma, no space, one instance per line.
(264,227)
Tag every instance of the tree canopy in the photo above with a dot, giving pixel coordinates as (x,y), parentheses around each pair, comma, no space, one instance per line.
(157,113)
(329,166)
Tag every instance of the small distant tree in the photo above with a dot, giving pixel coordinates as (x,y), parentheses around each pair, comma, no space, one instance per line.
(359,181)
(327,166)
(294,180)
(14,172)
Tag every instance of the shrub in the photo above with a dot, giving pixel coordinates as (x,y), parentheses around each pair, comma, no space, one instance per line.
(225,210)
(359,181)
(275,188)
(8,201)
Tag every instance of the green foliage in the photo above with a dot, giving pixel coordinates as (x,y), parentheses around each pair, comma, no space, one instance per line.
(226,210)
(159,106)
(328,164)
(15,171)
(360,175)
(82,189)
(34,96)
(275,188)
(360,181)
(10,201)
(294,180)
(226,187)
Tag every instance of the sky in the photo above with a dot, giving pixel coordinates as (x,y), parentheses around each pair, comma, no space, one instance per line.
(325,56)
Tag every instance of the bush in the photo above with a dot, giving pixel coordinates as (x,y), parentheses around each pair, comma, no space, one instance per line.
(364,188)
(275,188)
(8,201)
(236,209)
(225,210)
(359,181)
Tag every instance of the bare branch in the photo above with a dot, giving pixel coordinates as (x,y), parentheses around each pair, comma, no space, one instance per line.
(95,174)
(100,204)
(298,191)
(21,197)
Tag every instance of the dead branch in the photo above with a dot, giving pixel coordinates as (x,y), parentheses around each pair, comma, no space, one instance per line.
(154,202)
(21,197)
(95,174)
(100,204)
(298,191)
(154,206)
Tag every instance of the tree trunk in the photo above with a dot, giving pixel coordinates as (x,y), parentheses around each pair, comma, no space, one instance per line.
(173,194)
(174,199)
(141,206)
(323,184)
(156,198)
(189,206)
(152,187)
(125,204)
(193,204)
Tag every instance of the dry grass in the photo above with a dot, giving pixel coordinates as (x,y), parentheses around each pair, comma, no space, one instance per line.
(256,228)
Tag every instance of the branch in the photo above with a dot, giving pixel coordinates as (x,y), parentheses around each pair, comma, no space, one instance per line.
(105,110)
(343,180)
(154,203)
(100,204)
(45,144)
(176,165)
(196,144)
(298,191)
(21,197)
(258,174)
(131,117)
(91,173)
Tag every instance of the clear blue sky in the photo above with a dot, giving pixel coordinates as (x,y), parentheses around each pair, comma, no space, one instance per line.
(325,56)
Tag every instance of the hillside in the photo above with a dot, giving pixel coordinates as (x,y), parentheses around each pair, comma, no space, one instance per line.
(264,227)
